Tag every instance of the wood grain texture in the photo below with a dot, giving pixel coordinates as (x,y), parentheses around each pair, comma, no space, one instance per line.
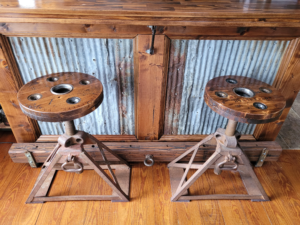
(136,151)
(287,82)
(54,107)
(150,83)
(24,128)
(150,197)
(102,138)
(240,107)
(274,13)
(114,29)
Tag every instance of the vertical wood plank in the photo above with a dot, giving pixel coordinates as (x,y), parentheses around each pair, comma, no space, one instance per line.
(287,81)
(51,212)
(165,210)
(280,210)
(99,212)
(254,211)
(24,128)
(75,211)
(231,209)
(209,209)
(150,78)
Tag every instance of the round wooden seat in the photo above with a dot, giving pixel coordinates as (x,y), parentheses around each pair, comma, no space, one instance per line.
(61,96)
(244,99)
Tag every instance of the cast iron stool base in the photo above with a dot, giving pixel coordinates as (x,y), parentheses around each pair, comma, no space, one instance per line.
(228,156)
(70,156)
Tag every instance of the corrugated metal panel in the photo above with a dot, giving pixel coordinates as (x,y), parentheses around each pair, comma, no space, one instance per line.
(195,62)
(110,60)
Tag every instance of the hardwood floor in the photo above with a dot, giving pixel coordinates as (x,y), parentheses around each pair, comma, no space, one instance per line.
(150,196)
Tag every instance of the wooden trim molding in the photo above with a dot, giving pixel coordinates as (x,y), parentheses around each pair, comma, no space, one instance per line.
(288,82)
(198,137)
(114,138)
(24,128)
(150,83)
(116,30)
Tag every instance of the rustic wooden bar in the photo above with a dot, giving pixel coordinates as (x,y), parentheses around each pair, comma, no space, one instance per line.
(220,20)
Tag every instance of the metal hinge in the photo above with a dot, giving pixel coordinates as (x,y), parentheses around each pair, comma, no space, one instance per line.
(262,157)
(30,158)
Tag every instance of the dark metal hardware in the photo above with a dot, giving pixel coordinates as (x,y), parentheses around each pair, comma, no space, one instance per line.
(151,50)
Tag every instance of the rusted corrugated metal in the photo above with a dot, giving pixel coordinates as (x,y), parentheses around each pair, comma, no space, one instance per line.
(194,62)
(110,60)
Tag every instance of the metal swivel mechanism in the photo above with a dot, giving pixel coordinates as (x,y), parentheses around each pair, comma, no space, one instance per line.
(240,99)
(63,97)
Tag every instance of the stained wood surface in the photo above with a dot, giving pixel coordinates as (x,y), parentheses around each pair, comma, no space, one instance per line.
(150,196)
(55,107)
(286,81)
(242,109)
(234,12)
(150,84)
(115,30)
(24,128)
(136,151)
(110,138)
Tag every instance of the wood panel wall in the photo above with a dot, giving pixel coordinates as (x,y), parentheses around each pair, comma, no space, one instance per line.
(150,70)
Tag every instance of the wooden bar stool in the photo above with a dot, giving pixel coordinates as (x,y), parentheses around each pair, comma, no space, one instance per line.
(63,97)
(240,99)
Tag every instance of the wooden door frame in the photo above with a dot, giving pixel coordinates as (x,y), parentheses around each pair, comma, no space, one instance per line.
(27,130)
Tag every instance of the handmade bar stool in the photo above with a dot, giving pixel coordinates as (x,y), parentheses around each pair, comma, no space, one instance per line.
(240,99)
(63,97)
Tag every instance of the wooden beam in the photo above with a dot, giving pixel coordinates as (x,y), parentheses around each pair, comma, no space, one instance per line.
(288,82)
(24,128)
(150,83)
(130,31)
(197,137)
(136,151)
(113,138)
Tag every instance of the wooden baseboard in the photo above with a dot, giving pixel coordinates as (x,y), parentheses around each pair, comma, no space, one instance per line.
(136,151)
(132,138)
(113,138)
(198,137)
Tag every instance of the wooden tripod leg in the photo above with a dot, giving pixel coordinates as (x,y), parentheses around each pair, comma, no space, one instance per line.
(45,172)
(195,176)
(251,181)
(104,176)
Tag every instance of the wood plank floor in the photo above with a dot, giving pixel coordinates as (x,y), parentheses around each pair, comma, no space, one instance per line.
(150,196)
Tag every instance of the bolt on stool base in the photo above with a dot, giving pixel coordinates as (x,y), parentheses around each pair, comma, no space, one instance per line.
(70,156)
(228,156)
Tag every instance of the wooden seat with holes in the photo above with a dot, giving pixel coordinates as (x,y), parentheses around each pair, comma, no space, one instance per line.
(239,99)
(63,97)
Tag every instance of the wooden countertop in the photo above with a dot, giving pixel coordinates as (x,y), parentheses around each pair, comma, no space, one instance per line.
(147,12)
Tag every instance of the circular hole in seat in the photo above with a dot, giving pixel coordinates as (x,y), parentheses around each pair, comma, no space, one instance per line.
(73,100)
(84,82)
(259,105)
(221,94)
(265,90)
(34,97)
(78,140)
(52,79)
(243,92)
(231,81)
(61,89)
